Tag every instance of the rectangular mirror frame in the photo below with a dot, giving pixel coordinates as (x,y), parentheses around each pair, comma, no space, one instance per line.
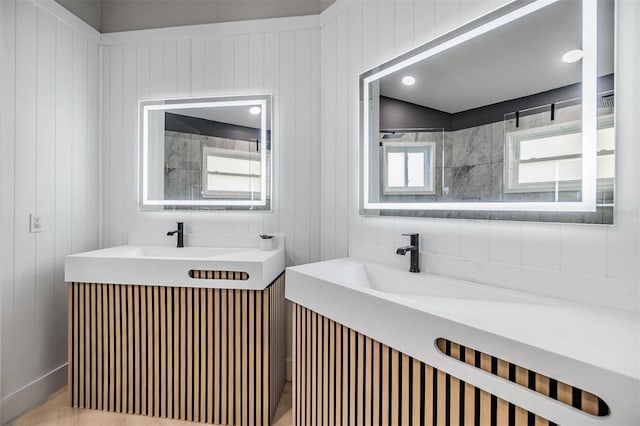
(475,28)
(145,106)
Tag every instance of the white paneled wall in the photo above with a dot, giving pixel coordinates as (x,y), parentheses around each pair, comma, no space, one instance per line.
(594,264)
(279,56)
(48,166)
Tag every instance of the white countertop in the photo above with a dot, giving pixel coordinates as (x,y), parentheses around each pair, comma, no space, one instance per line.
(583,345)
(170,266)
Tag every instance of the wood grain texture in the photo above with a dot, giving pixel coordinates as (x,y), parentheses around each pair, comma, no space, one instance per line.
(198,274)
(205,355)
(378,385)
(565,393)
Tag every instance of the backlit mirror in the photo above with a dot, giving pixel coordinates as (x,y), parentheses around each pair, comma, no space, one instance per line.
(206,153)
(508,117)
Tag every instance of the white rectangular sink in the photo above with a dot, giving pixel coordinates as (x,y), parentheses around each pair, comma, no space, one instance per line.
(172,266)
(589,347)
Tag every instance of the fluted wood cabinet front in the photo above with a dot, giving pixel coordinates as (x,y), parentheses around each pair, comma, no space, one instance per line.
(197,354)
(342,377)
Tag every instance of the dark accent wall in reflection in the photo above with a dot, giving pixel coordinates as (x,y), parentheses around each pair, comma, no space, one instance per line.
(199,126)
(396,114)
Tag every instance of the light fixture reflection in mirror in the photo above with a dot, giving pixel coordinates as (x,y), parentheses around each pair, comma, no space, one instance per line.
(206,153)
(376,83)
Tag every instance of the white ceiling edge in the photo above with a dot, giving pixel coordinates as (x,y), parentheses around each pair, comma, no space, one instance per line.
(289,23)
(334,10)
(64,15)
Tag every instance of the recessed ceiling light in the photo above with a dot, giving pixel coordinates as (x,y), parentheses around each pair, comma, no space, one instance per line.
(408,80)
(572,56)
(255,110)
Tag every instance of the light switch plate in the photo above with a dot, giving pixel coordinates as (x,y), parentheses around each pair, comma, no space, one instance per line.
(35,223)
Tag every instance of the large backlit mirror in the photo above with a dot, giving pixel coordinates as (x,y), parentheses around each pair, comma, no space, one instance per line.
(508,117)
(213,153)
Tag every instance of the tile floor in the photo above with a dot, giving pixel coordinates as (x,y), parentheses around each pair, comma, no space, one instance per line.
(56,412)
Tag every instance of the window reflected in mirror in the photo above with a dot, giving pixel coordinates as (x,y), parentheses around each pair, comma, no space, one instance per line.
(489,121)
(206,153)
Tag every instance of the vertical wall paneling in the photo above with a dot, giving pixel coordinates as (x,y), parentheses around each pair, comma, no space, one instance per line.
(315,152)
(386,26)
(355,60)
(7,189)
(504,254)
(342,125)
(114,129)
(79,146)
(272,83)
(289,144)
(92,158)
(48,113)
(328,132)
(45,185)
(25,195)
(229,61)
(302,203)
(50,168)
(129,158)
(403,15)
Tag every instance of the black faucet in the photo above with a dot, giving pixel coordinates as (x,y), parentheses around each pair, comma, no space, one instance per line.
(180,232)
(414,248)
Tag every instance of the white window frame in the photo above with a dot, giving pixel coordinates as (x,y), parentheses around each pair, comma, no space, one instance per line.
(208,151)
(429,149)
(513,140)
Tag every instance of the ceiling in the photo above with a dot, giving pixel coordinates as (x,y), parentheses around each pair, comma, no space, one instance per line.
(516,60)
(125,15)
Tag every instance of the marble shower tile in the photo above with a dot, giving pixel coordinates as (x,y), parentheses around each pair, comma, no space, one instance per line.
(175,184)
(195,152)
(497,141)
(175,151)
(471,183)
(447,146)
(497,181)
(472,146)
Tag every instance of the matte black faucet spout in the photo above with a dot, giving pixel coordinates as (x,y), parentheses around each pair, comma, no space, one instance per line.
(414,249)
(180,232)
(403,250)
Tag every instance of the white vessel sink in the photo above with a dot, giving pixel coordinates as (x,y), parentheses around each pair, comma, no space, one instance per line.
(171,266)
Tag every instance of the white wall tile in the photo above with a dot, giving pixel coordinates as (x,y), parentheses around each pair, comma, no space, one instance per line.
(444,237)
(541,246)
(474,239)
(584,250)
(505,242)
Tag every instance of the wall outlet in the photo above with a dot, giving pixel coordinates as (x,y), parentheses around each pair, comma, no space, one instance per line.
(35,223)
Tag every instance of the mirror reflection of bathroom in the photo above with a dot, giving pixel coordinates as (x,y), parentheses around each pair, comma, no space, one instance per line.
(445,135)
(208,153)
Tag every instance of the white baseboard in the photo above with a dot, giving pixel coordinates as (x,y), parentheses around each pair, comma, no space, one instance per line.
(32,395)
